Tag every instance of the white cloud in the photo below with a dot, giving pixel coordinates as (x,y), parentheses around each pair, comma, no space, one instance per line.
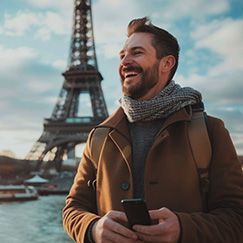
(60,65)
(10,58)
(56,23)
(219,73)
(43,24)
(36,85)
(111,9)
(64,6)
(43,34)
(222,89)
(110,25)
(110,50)
(164,10)
(196,8)
(109,33)
(28,78)
(52,23)
(51,100)
(223,37)
(18,24)
(114,2)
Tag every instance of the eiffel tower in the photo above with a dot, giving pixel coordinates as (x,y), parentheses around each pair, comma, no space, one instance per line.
(67,127)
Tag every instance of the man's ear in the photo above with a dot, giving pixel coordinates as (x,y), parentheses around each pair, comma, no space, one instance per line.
(167,63)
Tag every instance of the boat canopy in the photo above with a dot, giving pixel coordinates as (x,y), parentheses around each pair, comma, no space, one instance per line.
(36,180)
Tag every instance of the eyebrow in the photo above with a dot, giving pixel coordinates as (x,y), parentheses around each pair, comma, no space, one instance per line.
(133,49)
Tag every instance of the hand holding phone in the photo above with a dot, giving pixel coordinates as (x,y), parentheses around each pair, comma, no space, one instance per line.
(136,212)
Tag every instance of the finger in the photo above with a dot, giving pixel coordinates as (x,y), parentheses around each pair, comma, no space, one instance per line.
(112,231)
(168,227)
(149,230)
(112,224)
(117,215)
(162,213)
(123,231)
(164,228)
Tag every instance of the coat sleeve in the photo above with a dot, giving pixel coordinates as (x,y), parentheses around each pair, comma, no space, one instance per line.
(223,221)
(80,209)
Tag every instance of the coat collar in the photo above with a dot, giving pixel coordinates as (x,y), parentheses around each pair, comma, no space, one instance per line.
(120,133)
(118,120)
(184,114)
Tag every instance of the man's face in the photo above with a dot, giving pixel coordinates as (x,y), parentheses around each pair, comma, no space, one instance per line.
(139,67)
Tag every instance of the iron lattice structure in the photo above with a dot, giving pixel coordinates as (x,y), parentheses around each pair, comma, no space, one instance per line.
(66,127)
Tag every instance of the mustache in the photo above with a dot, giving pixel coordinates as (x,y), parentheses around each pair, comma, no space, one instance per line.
(131,69)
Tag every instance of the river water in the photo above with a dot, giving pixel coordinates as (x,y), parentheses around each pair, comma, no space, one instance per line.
(38,221)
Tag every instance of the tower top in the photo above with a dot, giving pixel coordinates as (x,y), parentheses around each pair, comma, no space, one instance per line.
(82,51)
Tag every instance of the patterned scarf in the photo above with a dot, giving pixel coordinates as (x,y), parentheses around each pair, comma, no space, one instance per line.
(171,99)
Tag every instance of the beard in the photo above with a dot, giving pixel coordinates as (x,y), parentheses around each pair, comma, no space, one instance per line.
(149,78)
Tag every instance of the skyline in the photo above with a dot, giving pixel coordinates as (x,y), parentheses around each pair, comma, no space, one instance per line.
(35,38)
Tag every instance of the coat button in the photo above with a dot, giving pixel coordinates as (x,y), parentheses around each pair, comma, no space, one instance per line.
(125,186)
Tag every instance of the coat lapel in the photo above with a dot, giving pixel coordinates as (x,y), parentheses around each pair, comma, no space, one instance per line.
(122,141)
(120,134)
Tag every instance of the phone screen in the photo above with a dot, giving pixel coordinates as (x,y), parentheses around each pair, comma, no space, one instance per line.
(136,212)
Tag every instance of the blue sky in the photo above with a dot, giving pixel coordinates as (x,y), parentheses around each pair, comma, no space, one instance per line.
(34,47)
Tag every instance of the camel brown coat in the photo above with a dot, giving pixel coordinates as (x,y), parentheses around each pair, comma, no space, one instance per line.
(171,180)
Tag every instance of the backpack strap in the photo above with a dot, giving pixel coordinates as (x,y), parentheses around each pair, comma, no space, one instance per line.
(200,142)
(97,142)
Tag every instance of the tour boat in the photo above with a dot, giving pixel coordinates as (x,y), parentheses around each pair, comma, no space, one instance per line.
(17,193)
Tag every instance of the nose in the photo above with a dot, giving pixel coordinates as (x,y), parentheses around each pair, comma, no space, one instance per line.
(126,60)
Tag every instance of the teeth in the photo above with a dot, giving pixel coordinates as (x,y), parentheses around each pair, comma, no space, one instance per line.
(130,73)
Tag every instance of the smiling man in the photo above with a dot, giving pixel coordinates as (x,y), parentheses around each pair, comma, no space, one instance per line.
(146,154)
(139,67)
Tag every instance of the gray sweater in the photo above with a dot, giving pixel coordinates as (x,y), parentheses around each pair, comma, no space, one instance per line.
(142,137)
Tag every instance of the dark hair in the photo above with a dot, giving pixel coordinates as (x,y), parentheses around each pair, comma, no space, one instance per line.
(164,43)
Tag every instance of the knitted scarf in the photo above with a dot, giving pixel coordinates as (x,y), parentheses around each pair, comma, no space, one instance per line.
(171,99)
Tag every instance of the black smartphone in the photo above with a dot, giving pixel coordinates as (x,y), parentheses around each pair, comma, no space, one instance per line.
(136,212)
